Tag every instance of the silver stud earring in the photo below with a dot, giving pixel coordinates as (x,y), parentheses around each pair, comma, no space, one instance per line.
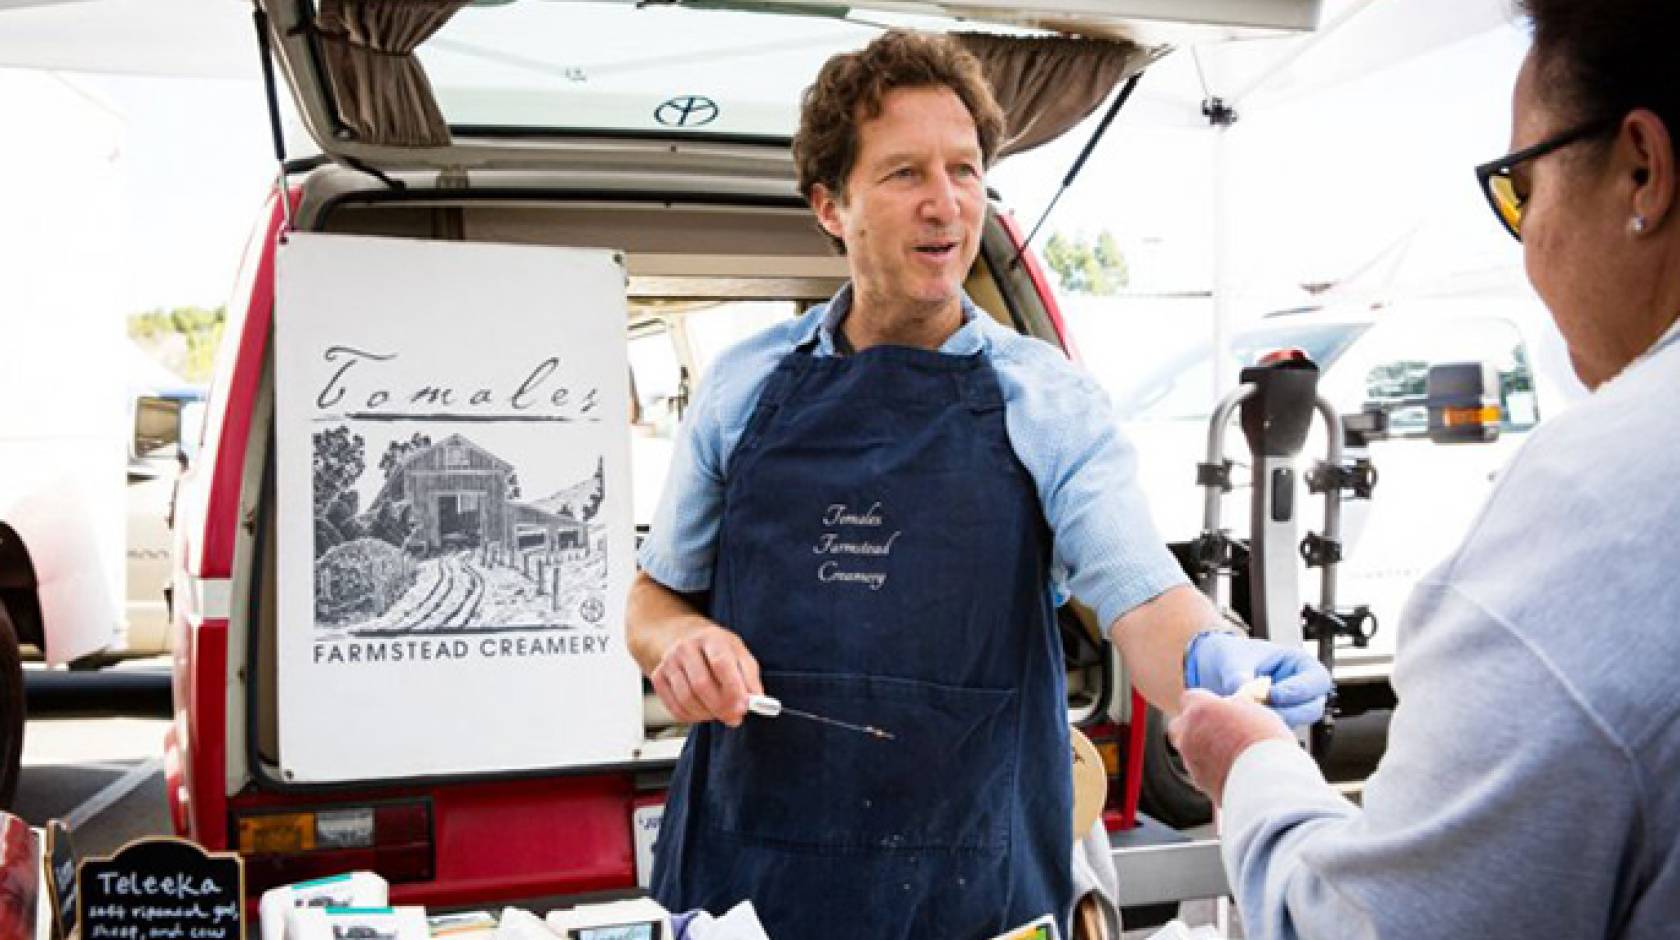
(1638,225)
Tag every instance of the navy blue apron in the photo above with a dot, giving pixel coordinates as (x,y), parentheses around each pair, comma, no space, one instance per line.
(884,556)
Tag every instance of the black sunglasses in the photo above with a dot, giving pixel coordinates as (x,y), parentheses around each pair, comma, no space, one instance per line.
(1501,190)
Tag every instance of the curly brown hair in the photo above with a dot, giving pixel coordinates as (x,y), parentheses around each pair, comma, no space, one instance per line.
(849,89)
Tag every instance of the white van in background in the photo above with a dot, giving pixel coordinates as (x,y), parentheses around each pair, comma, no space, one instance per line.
(1373,357)
(71,408)
(61,390)
(168,414)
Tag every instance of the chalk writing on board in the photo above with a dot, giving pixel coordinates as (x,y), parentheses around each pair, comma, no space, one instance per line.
(162,889)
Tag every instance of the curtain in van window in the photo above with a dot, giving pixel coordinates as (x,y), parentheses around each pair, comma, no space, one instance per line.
(377,82)
(1047,84)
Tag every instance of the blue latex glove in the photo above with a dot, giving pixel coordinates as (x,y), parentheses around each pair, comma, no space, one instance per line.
(1222,662)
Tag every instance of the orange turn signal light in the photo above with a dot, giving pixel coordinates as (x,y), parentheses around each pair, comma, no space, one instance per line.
(1470,417)
(1110,753)
(274,833)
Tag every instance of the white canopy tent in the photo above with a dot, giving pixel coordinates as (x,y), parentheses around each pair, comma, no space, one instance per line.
(1287,92)
(175,38)
(1383,110)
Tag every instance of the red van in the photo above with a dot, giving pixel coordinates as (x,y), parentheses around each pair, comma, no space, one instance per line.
(656,130)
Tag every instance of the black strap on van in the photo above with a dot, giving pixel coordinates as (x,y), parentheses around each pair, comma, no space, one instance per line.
(260,19)
(265,52)
(1079,164)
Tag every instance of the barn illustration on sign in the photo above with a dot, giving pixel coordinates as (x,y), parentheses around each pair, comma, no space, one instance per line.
(447,545)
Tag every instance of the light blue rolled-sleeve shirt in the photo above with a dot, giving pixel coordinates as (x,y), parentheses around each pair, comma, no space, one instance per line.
(1060,425)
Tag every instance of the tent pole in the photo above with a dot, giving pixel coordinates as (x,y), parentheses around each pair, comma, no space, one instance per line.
(1220,120)
(1222,115)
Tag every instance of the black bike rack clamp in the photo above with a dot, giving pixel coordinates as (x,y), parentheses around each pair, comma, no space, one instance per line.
(1358,478)
(1355,623)
(1214,474)
(1318,551)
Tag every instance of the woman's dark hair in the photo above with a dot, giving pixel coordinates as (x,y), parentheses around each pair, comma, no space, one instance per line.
(1600,59)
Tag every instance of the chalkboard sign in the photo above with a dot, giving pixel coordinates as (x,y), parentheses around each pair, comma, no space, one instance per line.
(162,889)
(61,878)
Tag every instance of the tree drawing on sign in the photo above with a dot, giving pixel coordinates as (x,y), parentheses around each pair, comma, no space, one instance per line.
(391,522)
(397,451)
(447,543)
(582,500)
(339,462)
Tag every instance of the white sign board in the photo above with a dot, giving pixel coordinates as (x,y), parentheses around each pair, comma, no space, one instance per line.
(455,535)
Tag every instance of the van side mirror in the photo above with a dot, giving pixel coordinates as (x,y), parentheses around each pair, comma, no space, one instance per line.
(1369,424)
(1463,403)
(192,427)
(157,428)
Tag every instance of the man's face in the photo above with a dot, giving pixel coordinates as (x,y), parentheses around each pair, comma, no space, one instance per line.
(912,206)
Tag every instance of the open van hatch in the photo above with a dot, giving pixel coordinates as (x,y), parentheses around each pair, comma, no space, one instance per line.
(507,84)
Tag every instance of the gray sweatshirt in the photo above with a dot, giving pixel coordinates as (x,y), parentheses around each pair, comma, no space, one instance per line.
(1531,786)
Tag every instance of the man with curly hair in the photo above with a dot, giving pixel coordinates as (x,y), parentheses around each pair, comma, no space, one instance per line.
(870,512)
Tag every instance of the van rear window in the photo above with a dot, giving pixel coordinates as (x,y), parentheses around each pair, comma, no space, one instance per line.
(547,67)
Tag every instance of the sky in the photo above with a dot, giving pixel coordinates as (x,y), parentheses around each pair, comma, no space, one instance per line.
(198,162)
(1316,184)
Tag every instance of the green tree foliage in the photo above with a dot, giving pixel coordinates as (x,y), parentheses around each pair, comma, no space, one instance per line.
(1108,257)
(1520,378)
(1087,267)
(199,331)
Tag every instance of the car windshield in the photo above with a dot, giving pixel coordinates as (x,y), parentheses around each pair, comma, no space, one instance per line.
(544,66)
(1182,387)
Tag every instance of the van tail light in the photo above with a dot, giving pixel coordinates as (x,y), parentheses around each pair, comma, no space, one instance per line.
(1110,743)
(392,839)
(1121,747)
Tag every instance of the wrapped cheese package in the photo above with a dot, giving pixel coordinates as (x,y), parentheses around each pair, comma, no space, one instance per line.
(637,919)
(374,923)
(355,889)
